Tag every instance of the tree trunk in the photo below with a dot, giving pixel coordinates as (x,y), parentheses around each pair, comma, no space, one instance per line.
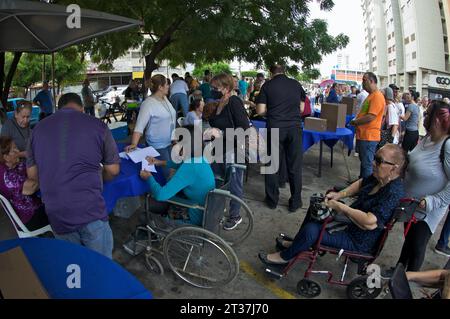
(8,80)
(161,44)
(10,76)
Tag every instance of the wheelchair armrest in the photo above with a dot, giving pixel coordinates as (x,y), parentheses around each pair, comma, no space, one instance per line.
(184,203)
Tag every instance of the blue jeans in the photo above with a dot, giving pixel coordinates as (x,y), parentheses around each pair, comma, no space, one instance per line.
(308,236)
(165,156)
(237,189)
(366,151)
(445,234)
(96,235)
(178,100)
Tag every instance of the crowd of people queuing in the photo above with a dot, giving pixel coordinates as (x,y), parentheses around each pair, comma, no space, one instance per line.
(401,141)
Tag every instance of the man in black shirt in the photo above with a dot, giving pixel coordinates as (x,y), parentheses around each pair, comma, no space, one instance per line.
(282,100)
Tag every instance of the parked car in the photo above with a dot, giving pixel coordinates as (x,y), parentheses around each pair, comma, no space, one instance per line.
(108,94)
(12,105)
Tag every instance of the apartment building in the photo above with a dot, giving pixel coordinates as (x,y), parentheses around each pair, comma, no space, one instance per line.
(417,45)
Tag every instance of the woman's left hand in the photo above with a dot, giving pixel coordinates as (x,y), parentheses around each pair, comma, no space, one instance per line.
(145,175)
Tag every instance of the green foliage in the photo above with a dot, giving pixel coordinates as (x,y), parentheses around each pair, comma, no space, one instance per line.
(68,68)
(260,31)
(215,68)
(307,76)
(249,74)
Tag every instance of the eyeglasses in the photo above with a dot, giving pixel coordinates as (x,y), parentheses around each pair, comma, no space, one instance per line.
(379,160)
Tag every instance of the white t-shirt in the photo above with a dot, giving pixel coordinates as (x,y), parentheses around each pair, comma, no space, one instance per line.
(394,119)
(179,86)
(360,98)
(401,108)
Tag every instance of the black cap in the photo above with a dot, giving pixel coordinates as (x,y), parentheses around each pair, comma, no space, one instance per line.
(394,87)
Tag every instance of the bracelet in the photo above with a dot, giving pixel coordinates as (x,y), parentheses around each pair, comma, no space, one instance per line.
(343,193)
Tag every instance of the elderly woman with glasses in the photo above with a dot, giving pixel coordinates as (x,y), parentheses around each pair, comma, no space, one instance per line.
(378,196)
(428,178)
(18,128)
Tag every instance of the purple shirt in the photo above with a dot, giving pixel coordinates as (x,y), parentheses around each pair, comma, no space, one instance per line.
(68,148)
(11,184)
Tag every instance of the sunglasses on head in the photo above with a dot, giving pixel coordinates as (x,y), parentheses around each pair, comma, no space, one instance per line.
(379,160)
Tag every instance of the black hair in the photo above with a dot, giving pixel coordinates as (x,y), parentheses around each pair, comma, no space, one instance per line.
(69,98)
(372,77)
(195,104)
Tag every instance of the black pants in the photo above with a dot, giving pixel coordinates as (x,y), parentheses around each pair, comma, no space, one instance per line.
(290,148)
(410,140)
(38,220)
(414,248)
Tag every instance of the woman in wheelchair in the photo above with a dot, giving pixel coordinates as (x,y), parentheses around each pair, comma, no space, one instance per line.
(378,196)
(193,177)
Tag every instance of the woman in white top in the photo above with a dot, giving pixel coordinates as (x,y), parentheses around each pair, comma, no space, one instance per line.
(157,119)
(194,117)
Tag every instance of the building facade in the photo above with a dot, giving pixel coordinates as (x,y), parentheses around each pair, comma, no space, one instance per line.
(415,33)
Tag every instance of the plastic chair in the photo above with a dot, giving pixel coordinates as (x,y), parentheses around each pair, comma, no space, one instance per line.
(21,230)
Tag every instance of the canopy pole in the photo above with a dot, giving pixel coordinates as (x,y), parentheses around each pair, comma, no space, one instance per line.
(43,70)
(53,81)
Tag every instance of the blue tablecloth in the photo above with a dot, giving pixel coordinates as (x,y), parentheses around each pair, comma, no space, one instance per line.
(128,183)
(330,138)
(101,278)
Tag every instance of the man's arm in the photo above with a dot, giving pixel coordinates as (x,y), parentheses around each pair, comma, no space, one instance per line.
(406,116)
(31,185)
(432,278)
(363,120)
(110,171)
(261,109)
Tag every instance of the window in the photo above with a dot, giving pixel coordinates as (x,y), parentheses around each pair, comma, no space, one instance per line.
(375,69)
(413,37)
(390,63)
(136,55)
(406,40)
(389,50)
(374,59)
(394,61)
(414,55)
(389,36)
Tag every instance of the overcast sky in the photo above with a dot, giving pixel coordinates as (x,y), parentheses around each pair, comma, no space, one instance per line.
(346,17)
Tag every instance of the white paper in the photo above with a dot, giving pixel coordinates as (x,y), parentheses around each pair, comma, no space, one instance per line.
(123,155)
(147,167)
(139,155)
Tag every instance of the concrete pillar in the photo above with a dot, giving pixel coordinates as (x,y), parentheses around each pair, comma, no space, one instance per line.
(419,81)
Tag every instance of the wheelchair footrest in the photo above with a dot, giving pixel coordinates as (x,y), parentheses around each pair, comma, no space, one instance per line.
(274,273)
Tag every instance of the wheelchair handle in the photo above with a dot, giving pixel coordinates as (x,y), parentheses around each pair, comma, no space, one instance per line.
(239,166)
(221,192)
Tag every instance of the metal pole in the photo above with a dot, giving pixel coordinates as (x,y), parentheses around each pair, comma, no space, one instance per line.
(53,81)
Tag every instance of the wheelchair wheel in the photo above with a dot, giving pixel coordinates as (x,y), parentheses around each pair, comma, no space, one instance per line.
(308,288)
(358,289)
(200,257)
(153,265)
(243,230)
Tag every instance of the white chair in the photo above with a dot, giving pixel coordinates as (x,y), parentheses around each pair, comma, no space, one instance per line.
(180,121)
(21,230)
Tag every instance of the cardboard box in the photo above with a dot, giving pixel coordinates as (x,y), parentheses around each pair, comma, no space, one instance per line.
(315,124)
(351,105)
(335,114)
(17,277)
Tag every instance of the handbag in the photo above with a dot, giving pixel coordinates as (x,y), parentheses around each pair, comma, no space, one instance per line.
(386,134)
(253,141)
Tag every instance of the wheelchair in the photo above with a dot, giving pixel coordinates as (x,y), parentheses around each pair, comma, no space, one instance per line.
(201,256)
(358,287)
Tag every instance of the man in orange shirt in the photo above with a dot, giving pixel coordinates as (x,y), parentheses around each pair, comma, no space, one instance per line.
(368,124)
